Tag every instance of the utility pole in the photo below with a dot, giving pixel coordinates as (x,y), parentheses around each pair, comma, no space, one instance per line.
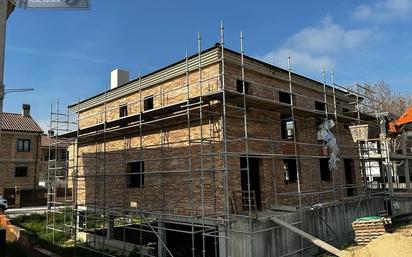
(3,21)
(6,8)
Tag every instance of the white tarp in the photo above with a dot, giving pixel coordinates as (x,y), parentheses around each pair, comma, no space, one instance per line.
(326,135)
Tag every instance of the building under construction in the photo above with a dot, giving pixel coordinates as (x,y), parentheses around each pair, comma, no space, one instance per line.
(195,158)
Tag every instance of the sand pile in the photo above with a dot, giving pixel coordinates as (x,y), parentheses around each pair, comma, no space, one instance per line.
(388,245)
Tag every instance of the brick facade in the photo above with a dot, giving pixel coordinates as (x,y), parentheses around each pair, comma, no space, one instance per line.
(10,159)
(183,153)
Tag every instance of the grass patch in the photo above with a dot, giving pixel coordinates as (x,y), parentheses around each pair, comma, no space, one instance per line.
(61,243)
(37,223)
(57,242)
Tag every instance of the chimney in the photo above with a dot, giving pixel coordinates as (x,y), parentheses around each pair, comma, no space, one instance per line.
(25,111)
(118,77)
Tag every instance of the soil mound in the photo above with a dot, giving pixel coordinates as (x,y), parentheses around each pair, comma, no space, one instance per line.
(388,245)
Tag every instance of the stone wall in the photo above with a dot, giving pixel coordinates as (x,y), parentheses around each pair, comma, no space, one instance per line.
(330,223)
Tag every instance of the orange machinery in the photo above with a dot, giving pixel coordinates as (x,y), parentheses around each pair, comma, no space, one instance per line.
(395,127)
(12,233)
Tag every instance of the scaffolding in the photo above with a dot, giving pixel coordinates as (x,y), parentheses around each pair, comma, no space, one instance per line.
(198,143)
(60,202)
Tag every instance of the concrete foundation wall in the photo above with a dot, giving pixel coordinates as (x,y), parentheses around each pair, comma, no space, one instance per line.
(401,207)
(270,239)
(117,246)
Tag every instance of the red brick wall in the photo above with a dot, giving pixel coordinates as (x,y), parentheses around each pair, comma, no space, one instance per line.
(174,185)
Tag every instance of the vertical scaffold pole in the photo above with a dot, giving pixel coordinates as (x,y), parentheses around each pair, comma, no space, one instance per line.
(202,175)
(292,108)
(189,137)
(335,113)
(245,127)
(224,140)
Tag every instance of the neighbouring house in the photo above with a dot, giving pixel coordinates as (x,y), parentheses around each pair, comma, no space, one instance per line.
(54,156)
(203,143)
(20,159)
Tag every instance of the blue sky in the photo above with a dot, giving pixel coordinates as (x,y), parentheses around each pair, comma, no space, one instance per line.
(69,54)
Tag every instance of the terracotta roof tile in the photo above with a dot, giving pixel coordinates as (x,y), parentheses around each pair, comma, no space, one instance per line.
(16,122)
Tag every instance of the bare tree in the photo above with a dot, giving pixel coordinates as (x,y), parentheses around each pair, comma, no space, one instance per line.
(381,97)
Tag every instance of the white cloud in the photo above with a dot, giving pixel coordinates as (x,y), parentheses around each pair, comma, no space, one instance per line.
(317,46)
(328,37)
(299,59)
(384,11)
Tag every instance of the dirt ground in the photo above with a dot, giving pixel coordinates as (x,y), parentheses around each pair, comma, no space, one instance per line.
(397,244)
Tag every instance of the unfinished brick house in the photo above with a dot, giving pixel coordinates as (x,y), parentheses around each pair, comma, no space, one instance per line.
(194,147)
(20,156)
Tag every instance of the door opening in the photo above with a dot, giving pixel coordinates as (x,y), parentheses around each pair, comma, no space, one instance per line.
(254,178)
(349,176)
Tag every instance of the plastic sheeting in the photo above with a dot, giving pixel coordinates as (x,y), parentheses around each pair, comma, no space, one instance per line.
(326,135)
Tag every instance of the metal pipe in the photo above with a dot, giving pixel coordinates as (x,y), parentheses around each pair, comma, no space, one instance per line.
(202,179)
(224,125)
(292,108)
(245,127)
(3,24)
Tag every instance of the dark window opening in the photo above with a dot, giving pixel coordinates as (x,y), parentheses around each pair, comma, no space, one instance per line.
(136,178)
(52,154)
(284,97)
(324,169)
(23,145)
(20,172)
(64,155)
(320,106)
(345,110)
(290,171)
(254,179)
(148,103)
(123,111)
(287,126)
(239,86)
(349,175)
